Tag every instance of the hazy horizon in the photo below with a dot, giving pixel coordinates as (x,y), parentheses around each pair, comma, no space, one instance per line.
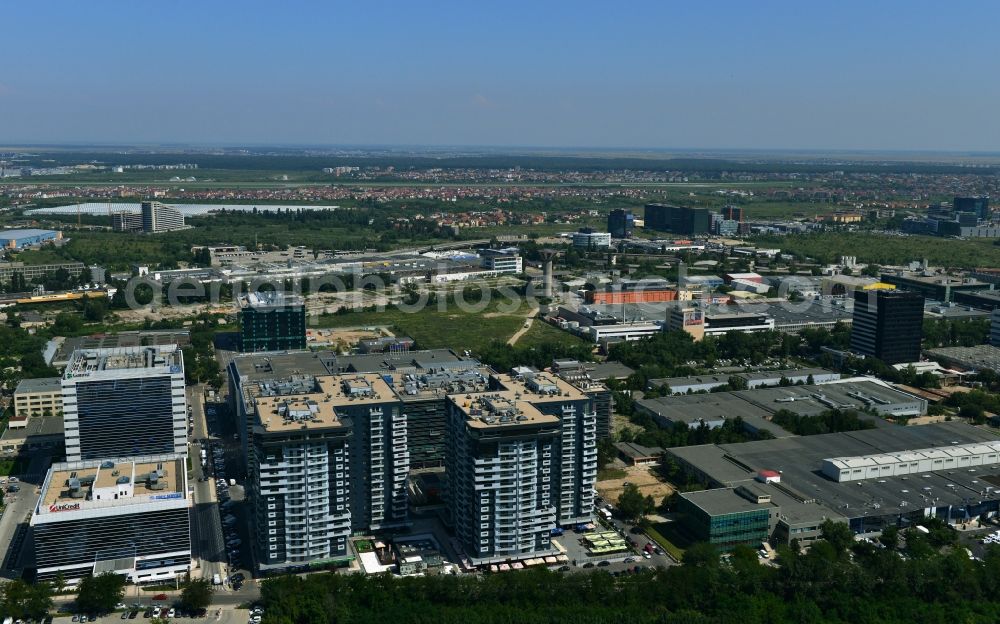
(769,77)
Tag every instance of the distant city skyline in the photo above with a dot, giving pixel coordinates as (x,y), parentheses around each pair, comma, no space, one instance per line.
(852,76)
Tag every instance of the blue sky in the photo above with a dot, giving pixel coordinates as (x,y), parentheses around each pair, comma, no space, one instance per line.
(809,75)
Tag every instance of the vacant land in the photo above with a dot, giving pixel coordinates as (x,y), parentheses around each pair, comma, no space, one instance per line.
(541,332)
(642,476)
(885,249)
(433,328)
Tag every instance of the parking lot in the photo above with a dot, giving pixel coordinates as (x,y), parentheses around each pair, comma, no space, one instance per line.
(220,462)
(642,552)
(138,612)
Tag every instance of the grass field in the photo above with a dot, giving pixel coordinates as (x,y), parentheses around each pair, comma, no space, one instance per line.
(12,466)
(543,333)
(432,328)
(880,249)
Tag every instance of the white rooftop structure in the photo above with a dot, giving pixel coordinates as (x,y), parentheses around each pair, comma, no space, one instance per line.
(959,456)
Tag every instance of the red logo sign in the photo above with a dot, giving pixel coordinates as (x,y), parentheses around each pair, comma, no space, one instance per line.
(64,507)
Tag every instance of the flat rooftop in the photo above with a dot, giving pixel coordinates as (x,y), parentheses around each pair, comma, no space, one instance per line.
(822,311)
(501,409)
(25,233)
(65,351)
(270,300)
(787,373)
(267,366)
(692,408)
(719,501)
(316,405)
(132,479)
(799,460)
(35,427)
(973,358)
(159,358)
(540,387)
(42,384)
(814,399)
(438,383)
(942,280)
(607,370)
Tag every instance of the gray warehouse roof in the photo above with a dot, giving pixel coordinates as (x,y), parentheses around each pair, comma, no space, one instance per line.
(977,357)
(799,460)
(814,399)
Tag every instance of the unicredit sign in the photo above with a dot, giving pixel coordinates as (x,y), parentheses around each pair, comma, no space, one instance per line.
(64,506)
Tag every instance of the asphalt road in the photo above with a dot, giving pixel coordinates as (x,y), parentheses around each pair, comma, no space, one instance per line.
(14,523)
(208,544)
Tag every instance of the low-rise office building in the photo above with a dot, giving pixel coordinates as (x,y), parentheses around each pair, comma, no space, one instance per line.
(37,397)
(127,517)
(507,260)
(795,471)
(588,238)
(36,433)
(31,272)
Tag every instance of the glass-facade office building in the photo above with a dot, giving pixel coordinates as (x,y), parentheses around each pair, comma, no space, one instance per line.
(124,402)
(272,322)
(888,325)
(724,529)
(129,517)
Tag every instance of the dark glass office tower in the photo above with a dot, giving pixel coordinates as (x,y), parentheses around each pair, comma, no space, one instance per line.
(270,321)
(677,219)
(888,325)
(621,223)
(980,206)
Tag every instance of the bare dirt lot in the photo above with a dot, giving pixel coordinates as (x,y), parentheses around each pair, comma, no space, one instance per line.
(643,476)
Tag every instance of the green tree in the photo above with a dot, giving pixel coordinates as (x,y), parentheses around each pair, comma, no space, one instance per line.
(890,537)
(22,601)
(838,535)
(632,504)
(736,382)
(98,595)
(94,310)
(67,324)
(196,595)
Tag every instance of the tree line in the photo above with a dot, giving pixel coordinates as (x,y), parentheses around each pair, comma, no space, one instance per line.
(838,580)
